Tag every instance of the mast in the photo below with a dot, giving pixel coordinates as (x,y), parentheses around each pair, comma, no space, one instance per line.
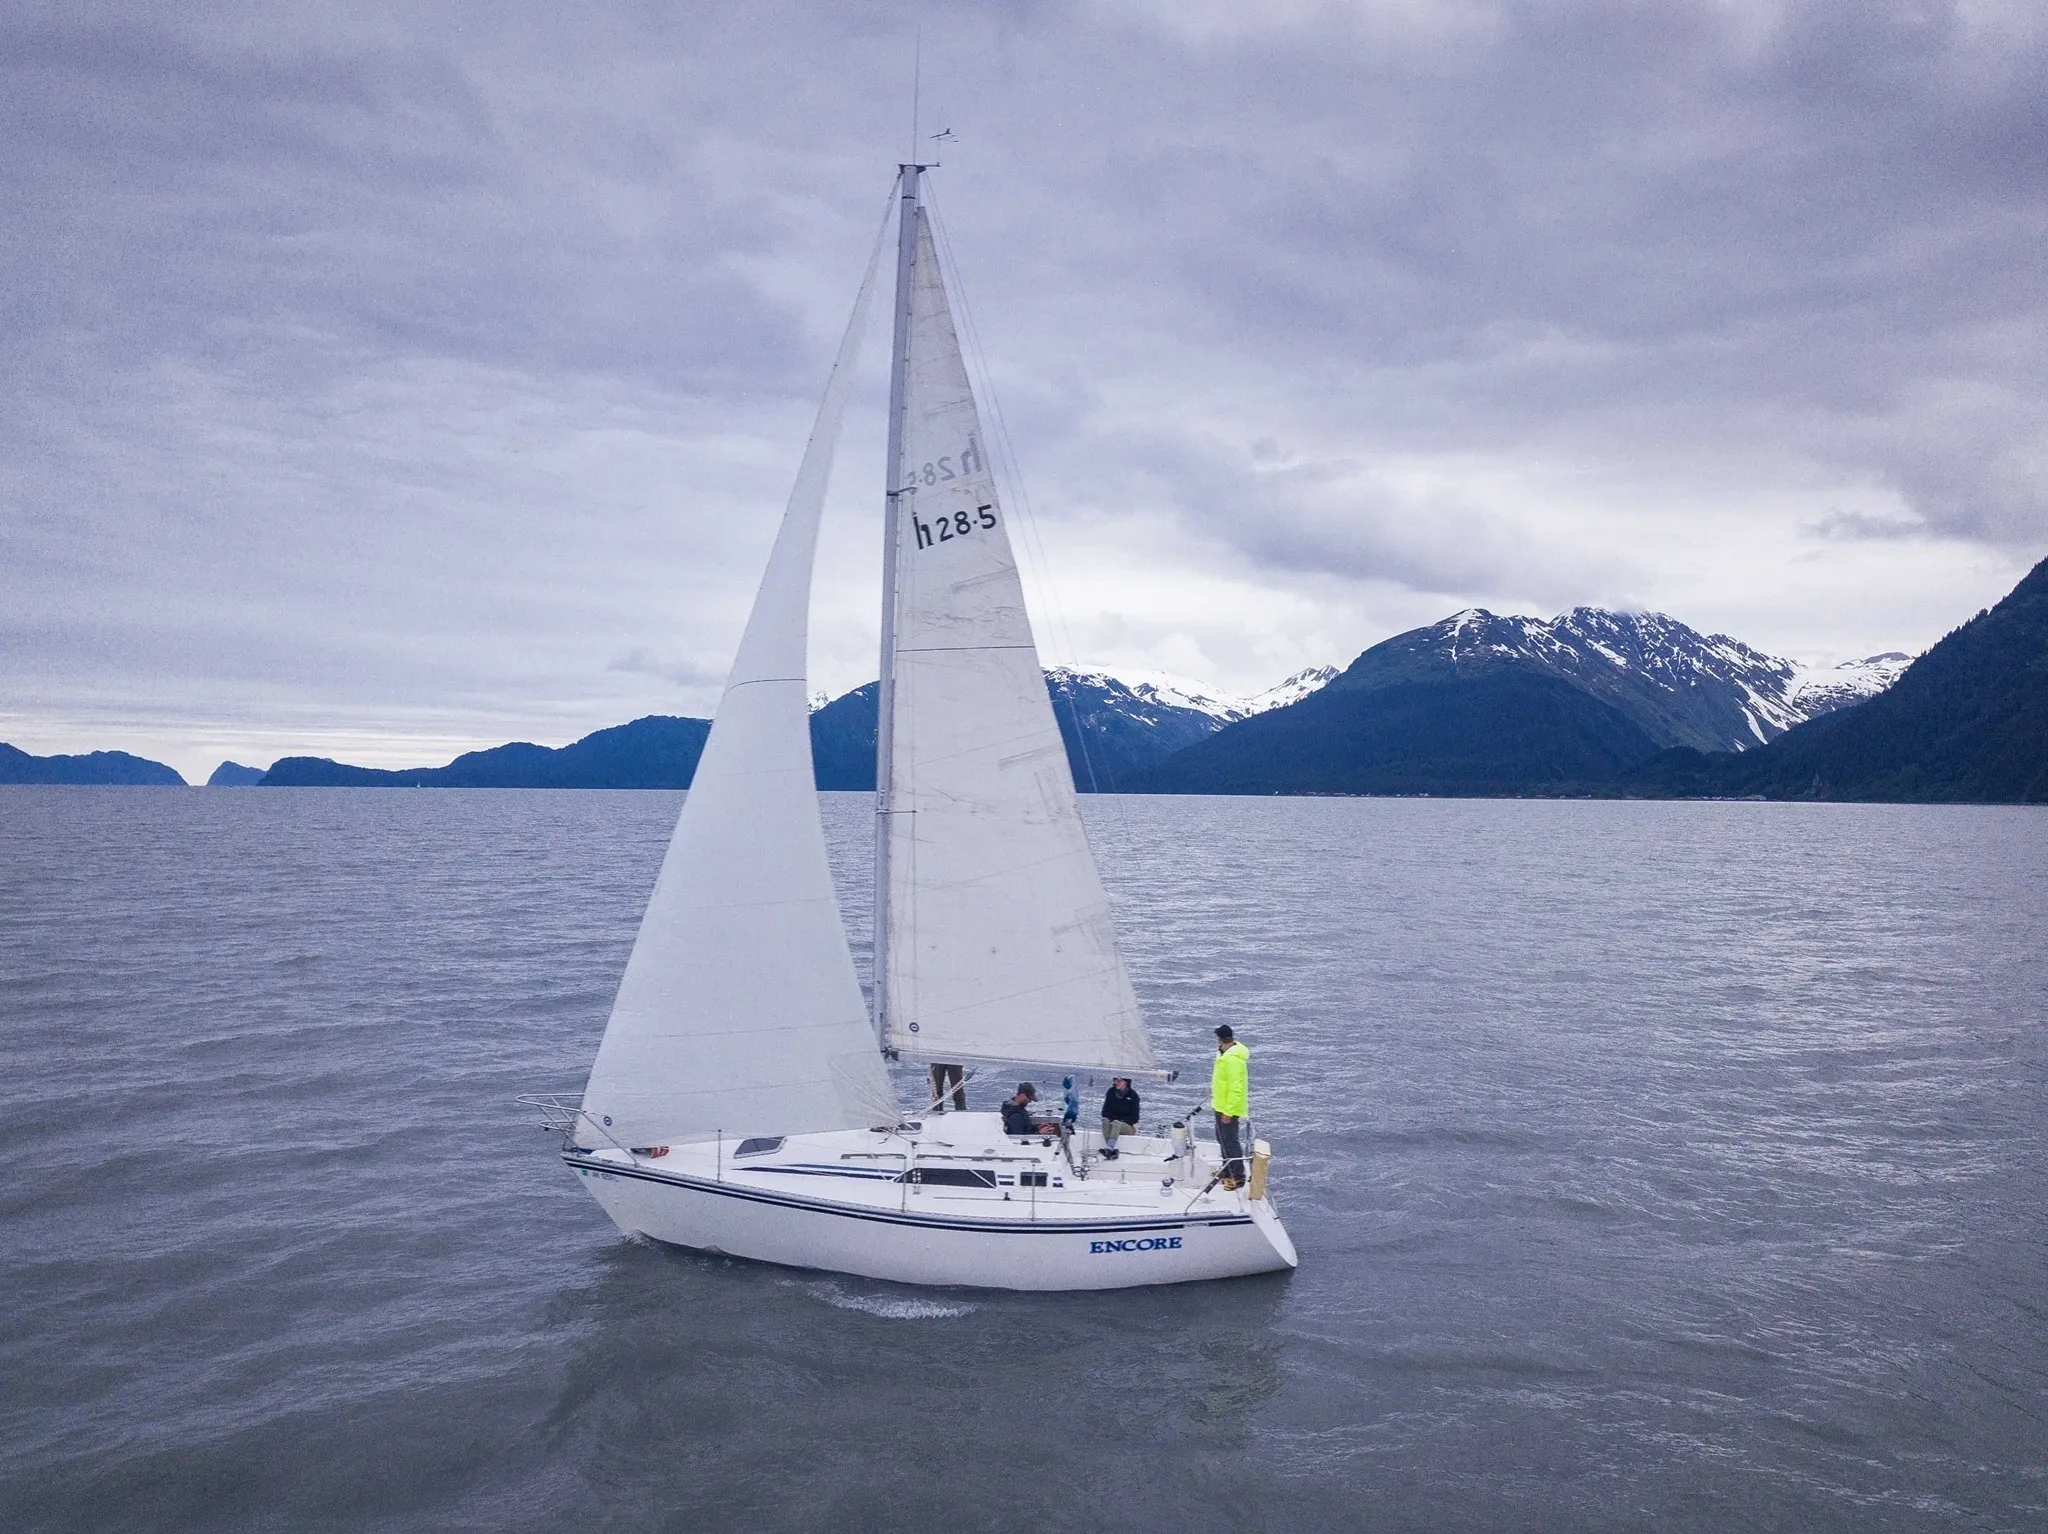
(885,701)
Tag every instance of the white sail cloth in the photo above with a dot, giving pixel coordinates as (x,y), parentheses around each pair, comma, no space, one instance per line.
(1000,944)
(740,1012)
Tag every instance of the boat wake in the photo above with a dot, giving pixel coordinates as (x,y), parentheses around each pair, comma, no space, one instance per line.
(888,1307)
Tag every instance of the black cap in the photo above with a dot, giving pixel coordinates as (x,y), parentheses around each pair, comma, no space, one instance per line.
(1027,1087)
(1225,1033)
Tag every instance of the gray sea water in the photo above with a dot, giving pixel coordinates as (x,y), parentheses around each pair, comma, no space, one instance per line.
(1673,1166)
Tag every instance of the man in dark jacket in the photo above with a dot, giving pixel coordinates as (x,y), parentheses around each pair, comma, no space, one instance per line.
(1119,1115)
(1018,1119)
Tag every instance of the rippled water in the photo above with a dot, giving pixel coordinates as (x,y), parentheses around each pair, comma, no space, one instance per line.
(1673,1165)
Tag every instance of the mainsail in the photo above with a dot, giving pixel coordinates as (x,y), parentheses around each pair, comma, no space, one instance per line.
(740,1012)
(998,943)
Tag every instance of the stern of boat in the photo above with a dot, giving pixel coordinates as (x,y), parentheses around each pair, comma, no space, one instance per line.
(1266,1220)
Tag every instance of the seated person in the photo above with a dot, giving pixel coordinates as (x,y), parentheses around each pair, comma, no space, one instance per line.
(1018,1119)
(1119,1115)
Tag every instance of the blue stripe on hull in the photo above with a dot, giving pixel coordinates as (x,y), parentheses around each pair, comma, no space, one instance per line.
(895,1217)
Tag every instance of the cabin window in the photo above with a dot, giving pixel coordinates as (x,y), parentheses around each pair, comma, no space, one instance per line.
(1032,1179)
(760,1145)
(951,1177)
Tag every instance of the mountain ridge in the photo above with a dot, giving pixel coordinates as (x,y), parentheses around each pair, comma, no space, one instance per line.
(91,769)
(1111,729)
(1480,704)
(1966,723)
(1486,735)
(1707,691)
(1657,682)
(655,751)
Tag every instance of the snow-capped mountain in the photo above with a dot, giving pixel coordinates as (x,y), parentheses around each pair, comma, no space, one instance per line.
(1148,689)
(1683,687)
(1821,690)
(1676,685)
(1114,726)
(1293,690)
(1159,689)
(1490,705)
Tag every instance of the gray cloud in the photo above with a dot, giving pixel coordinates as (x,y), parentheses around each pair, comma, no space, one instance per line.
(684,673)
(418,362)
(1851,526)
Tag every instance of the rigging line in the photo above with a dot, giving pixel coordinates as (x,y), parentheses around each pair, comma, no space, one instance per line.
(896,865)
(889,203)
(1035,544)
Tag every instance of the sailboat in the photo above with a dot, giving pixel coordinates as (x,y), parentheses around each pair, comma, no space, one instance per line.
(740,1101)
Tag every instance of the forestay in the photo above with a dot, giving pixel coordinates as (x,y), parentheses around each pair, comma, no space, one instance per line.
(740,1011)
(999,941)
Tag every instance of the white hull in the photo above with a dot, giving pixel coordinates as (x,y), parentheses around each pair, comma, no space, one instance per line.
(844,1202)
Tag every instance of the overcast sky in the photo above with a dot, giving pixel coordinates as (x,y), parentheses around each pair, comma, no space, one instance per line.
(381,381)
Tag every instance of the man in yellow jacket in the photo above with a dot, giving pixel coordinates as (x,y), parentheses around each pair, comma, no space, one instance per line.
(1230,1097)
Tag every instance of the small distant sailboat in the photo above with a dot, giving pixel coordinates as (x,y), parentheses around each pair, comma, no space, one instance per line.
(740,1101)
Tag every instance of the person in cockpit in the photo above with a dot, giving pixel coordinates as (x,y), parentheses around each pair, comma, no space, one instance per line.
(1119,1115)
(1018,1119)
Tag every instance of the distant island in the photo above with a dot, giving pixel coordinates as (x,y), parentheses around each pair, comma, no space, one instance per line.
(1591,703)
(94,769)
(659,751)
